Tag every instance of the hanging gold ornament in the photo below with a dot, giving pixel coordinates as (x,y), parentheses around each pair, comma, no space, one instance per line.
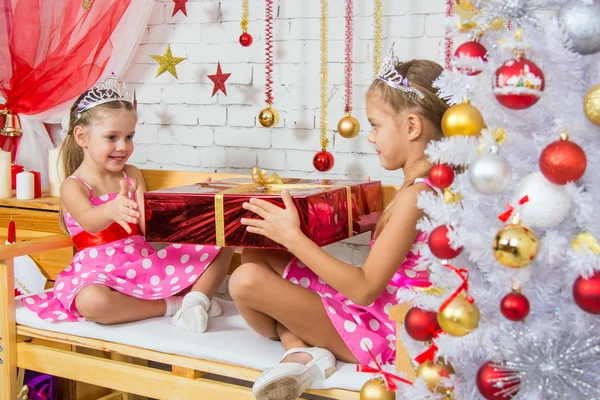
(515,245)
(459,317)
(591,105)
(268,117)
(585,242)
(348,127)
(462,120)
(431,373)
(375,389)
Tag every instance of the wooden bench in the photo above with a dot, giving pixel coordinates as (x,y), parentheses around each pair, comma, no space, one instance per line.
(117,369)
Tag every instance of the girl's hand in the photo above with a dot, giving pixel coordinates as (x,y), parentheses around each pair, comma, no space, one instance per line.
(279,224)
(122,209)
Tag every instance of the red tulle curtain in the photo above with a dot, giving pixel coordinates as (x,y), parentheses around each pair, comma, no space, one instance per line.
(52,51)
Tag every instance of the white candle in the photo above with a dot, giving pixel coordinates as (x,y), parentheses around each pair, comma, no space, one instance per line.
(56,172)
(5,175)
(25,186)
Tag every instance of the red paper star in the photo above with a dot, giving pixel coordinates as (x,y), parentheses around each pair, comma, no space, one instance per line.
(219,80)
(179,6)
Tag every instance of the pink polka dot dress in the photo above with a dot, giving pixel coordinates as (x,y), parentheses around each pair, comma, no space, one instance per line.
(366,328)
(129,265)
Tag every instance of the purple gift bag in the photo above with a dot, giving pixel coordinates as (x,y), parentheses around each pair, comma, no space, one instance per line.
(41,386)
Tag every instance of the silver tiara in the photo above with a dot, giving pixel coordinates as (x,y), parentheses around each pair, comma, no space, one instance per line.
(112,89)
(389,74)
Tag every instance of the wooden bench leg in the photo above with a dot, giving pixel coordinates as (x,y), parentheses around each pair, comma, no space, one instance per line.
(8,332)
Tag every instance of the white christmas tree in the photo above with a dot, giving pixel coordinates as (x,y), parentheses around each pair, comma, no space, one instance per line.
(524,206)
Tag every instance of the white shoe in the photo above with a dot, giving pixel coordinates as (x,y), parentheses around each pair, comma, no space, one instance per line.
(287,381)
(193,314)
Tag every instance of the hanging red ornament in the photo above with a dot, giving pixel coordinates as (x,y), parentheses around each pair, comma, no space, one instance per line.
(586,293)
(514,306)
(496,382)
(246,39)
(421,324)
(323,161)
(563,161)
(179,6)
(440,244)
(518,83)
(441,176)
(219,80)
(469,57)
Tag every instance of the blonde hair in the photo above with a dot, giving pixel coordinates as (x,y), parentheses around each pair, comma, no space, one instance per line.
(421,74)
(70,151)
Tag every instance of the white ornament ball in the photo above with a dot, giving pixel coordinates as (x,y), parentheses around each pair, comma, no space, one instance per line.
(490,173)
(548,204)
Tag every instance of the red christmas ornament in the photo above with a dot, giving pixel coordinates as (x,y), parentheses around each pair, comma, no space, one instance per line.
(586,293)
(440,245)
(420,324)
(518,83)
(12,233)
(468,55)
(563,161)
(246,39)
(514,306)
(496,382)
(441,176)
(219,80)
(323,161)
(179,6)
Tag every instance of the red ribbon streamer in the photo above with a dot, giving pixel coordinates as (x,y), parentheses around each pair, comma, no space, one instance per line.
(429,354)
(449,45)
(388,377)
(509,209)
(112,233)
(269,50)
(349,36)
(464,275)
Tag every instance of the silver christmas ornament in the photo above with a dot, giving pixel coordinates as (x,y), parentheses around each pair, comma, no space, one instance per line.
(490,173)
(582,24)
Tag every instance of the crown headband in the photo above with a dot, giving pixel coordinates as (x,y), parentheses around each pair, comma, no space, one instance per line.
(388,74)
(112,89)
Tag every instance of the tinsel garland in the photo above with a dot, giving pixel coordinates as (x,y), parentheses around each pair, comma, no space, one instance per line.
(245,15)
(324,73)
(269,51)
(377,34)
(349,43)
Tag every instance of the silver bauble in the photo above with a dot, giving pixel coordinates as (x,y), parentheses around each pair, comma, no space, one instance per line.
(490,173)
(547,205)
(582,24)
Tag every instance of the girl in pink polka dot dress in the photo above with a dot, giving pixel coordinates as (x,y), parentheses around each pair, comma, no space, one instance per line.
(322,308)
(116,276)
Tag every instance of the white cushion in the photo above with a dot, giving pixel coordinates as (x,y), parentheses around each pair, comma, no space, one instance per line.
(228,339)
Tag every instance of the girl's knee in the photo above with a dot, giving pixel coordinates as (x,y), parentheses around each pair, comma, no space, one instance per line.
(93,302)
(246,281)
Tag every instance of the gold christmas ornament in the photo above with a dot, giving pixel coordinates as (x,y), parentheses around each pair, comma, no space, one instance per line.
(462,119)
(459,317)
(348,127)
(268,117)
(591,105)
(167,62)
(375,389)
(431,373)
(515,245)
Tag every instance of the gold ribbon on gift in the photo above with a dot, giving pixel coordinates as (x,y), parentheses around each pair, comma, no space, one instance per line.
(267,184)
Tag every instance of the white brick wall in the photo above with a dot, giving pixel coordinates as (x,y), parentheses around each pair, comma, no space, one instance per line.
(182,127)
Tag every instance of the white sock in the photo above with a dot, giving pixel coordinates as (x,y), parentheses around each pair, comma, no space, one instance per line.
(173,305)
(193,314)
(215,309)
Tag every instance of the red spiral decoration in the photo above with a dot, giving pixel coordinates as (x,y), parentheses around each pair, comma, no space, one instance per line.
(269,51)
(349,37)
(449,43)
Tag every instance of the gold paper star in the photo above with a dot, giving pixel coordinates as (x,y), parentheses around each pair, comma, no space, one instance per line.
(167,62)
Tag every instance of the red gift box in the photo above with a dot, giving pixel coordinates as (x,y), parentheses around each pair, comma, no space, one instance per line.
(210,213)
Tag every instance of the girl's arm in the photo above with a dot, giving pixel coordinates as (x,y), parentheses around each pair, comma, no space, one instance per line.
(75,197)
(361,285)
(135,175)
